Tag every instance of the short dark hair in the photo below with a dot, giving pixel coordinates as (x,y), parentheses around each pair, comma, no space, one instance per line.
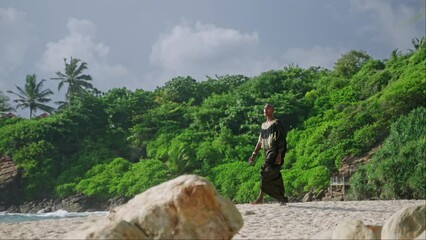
(270,105)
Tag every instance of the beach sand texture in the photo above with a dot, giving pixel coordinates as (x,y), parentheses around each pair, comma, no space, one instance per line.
(266,221)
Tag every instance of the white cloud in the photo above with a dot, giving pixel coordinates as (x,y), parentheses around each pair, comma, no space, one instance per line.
(392,24)
(81,43)
(316,56)
(15,41)
(204,49)
(202,42)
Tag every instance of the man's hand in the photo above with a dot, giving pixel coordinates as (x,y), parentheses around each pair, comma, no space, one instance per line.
(278,159)
(251,159)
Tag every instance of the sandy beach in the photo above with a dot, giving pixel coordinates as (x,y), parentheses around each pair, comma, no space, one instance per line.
(266,221)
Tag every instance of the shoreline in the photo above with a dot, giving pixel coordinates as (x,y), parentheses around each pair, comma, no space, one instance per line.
(74,203)
(266,221)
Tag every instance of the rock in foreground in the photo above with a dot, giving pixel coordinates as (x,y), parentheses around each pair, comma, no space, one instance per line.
(187,207)
(407,223)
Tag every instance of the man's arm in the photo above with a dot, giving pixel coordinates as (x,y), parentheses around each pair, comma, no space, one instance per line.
(282,144)
(256,151)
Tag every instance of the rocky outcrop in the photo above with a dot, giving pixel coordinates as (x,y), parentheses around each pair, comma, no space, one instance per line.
(11,195)
(407,223)
(348,166)
(187,207)
(10,182)
(324,195)
(308,197)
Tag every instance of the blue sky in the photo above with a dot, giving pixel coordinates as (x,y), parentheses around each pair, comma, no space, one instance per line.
(143,44)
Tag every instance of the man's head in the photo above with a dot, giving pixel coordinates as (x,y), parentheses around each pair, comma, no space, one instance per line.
(268,110)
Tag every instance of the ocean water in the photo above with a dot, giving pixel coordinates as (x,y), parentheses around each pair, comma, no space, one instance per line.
(6,217)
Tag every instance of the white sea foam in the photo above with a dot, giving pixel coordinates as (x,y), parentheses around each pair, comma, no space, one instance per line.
(59,213)
(25,217)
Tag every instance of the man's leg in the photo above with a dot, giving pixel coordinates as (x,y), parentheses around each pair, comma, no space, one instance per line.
(259,199)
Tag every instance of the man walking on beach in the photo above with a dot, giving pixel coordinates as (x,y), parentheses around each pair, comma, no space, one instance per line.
(272,140)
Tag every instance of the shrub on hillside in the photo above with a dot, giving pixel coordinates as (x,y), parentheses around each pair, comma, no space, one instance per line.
(398,169)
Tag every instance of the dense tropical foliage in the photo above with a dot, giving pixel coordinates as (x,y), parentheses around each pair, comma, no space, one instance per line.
(122,142)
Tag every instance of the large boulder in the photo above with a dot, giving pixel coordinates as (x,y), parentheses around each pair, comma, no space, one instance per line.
(187,207)
(407,223)
(350,229)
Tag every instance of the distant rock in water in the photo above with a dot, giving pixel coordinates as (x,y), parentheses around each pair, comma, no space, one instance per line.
(187,207)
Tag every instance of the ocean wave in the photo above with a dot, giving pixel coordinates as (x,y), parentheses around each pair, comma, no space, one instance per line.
(24,217)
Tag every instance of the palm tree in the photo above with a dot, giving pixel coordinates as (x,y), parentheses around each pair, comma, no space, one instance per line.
(395,54)
(418,44)
(4,103)
(78,83)
(33,96)
(179,164)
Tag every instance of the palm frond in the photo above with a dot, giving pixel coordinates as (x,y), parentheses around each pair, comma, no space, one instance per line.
(46,108)
(81,68)
(84,77)
(17,94)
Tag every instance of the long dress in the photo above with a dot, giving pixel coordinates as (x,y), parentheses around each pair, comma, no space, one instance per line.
(273,142)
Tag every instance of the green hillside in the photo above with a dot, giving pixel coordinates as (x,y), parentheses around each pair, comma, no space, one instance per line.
(122,142)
